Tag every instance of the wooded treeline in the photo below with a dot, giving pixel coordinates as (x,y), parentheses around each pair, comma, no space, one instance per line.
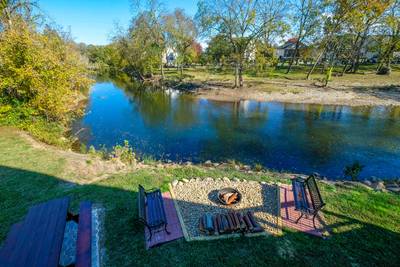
(244,34)
(42,72)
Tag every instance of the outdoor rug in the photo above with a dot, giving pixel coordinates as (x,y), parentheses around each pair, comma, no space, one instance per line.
(289,215)
(173,227)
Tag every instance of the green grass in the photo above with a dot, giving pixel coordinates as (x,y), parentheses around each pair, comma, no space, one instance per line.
(365,224)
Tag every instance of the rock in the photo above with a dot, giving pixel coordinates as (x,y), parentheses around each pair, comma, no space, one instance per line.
(215,164)
(208,163)
(246,167)
(184,180)
(188,163)
(237,167)
(262,182)
(366,182)
(226,179)
(250,171)
(219,180)
(209,179)
(235,179)
(169,161)
(394,189)
(378,186)
(174,183)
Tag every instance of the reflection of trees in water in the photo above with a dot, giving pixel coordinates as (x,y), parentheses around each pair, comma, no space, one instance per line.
(237,128)
(310,133)
(157,105)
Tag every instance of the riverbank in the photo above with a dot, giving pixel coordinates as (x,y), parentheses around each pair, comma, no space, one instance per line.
(367,89)
(32,172)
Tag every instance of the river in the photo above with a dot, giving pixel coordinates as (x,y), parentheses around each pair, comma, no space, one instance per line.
(301,138)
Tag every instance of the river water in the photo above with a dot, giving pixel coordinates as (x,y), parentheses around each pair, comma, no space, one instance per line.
(293,137)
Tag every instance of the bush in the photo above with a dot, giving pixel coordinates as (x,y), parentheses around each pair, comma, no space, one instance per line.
(42,71)
(353,170)
(124,153)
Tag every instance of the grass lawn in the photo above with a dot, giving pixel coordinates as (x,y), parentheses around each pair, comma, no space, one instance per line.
(365,225)
(266,81)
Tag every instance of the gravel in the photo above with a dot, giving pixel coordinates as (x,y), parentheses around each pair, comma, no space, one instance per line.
(200,196)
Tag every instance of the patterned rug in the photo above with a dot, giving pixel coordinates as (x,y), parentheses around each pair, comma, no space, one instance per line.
(289,215)
(174,227)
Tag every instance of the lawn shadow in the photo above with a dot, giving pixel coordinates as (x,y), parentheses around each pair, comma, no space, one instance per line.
(353,242)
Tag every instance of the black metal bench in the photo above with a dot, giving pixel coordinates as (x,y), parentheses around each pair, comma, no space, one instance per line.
(37,240)
(307,198)
(151,210)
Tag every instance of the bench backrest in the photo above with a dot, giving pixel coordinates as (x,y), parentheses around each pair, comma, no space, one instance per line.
(306,194)
(314,193)
(141,200)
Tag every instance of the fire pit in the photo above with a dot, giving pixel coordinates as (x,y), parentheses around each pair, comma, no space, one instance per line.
(229,196)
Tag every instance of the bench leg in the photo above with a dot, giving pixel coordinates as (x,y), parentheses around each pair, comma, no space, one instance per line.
(151,233)
(301,216)
(313,220)
(165,227)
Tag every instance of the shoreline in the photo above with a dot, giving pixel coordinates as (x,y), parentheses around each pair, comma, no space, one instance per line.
(348,90)
(313,95)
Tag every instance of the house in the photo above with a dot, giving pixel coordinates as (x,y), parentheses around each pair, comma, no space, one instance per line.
(287,50)
(169,57)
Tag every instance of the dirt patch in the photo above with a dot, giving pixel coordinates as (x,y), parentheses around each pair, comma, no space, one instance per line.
(360,90)
(81,168)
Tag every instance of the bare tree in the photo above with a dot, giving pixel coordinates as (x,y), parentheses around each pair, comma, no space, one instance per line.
(181,33)
(11,9)
(241,22)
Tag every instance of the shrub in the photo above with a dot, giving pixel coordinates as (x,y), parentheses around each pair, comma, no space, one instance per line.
(353,170)
(258,167)
(40,70)
(124,153)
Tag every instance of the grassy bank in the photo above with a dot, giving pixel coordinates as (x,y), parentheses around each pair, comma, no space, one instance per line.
(364,224)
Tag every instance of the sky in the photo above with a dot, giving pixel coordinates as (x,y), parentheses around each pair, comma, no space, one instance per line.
(93,21)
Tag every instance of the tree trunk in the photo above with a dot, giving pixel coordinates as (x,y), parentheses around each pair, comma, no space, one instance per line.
(162,71)
(241,75)
(315,65)
(296,50)
(236,75)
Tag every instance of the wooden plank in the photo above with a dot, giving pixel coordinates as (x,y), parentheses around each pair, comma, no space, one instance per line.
(53,243)
(9,244)
(84,240)
(25,241)
(40,238)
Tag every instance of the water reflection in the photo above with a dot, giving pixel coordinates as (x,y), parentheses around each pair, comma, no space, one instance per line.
(295,137)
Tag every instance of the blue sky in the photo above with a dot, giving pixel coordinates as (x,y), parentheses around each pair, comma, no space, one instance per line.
(92,21)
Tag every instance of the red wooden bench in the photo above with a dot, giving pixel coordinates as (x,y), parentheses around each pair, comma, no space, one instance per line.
(37,240)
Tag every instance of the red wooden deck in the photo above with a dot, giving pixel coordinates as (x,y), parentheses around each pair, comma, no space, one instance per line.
(289,214)
(174,226)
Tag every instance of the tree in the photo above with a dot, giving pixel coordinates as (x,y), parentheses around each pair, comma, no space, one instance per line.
(181,34)
(219,51)
(306,19)
(142,46)
(360,22)
(11,10)
(239,21)
(390,32)
(333,44)
(43,71)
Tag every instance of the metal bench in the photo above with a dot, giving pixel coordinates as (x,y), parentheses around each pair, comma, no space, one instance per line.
(307,198)
(151,210)
(37,240)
